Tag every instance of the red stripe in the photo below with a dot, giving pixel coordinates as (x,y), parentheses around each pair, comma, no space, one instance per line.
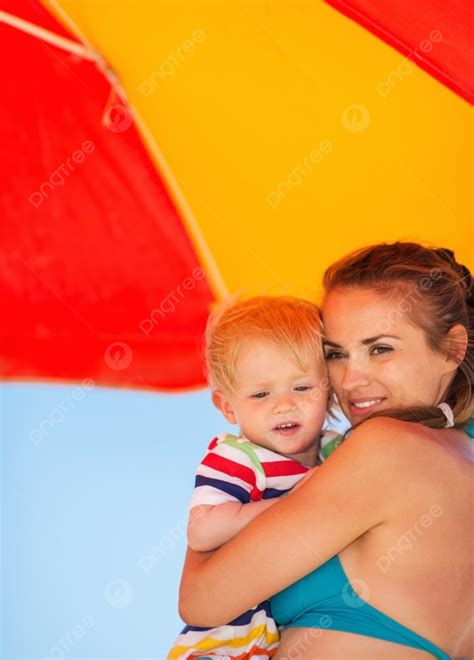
(283,468)
(254,652)
(231,468)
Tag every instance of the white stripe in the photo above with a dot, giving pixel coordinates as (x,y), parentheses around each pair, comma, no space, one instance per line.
(284,482)
(278,482)
(236,456)
(207,494)
(269,456)
(227,633)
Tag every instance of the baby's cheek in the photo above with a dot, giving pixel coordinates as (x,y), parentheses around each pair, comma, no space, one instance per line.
(320,394)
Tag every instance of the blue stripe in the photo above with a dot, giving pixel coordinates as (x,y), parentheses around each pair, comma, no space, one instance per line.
(231,489)
(242,620)
(268,493)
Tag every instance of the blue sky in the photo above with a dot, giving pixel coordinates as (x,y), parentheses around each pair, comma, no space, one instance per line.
(95,487)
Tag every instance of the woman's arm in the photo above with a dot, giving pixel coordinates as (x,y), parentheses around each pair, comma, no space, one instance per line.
(352,492)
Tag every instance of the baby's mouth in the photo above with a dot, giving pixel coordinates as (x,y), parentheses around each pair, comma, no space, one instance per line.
(287,428)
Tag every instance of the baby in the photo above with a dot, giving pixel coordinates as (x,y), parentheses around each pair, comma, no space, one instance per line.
(267,374)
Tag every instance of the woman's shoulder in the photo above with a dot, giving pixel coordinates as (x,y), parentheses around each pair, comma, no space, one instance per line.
(394,445)
(376,451)
(382,434)
(406,436)
(412,450)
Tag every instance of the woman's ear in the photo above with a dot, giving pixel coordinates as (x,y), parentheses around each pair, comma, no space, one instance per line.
(222,403)
(456,343)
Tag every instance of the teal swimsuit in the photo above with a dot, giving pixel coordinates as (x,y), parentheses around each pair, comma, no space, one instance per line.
(324,599)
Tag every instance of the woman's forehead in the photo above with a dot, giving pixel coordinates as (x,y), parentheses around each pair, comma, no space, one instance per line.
(357,314)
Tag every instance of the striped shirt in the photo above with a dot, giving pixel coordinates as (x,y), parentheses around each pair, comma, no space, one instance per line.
(237,470)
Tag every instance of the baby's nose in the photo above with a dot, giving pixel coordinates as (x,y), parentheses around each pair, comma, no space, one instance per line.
(284,404)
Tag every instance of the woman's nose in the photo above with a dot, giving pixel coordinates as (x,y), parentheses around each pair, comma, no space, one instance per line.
(355,375)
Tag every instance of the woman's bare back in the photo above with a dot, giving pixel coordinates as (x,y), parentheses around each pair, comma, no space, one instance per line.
(417,567)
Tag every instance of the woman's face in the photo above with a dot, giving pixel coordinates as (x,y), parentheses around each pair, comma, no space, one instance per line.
(377,358)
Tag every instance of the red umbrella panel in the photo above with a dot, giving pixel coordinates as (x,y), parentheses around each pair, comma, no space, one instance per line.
(435,34)
(102,272)
(98,276)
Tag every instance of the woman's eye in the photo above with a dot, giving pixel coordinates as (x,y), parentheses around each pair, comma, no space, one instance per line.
(303,388)
(334,355)
(380,350)
(259,395)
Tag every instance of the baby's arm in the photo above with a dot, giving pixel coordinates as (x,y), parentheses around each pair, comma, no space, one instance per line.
(209,526)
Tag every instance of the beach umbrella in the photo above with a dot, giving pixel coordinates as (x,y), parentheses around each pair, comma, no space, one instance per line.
(156,156)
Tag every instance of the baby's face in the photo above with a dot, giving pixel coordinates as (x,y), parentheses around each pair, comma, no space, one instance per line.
(277,404)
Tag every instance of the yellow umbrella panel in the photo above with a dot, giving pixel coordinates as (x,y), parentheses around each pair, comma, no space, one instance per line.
(270,116)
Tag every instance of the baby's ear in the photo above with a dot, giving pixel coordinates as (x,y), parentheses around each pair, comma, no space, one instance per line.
(222,403)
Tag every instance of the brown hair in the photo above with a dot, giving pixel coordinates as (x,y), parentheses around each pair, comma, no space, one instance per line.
(437,293)
(290,323)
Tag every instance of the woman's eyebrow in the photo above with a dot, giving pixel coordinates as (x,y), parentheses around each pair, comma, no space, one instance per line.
(365,342)
(371,340)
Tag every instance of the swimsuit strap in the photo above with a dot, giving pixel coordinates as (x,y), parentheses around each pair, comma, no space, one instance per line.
(469,429)
(409,637)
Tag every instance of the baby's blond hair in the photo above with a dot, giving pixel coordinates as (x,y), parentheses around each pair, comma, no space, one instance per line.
(290,323)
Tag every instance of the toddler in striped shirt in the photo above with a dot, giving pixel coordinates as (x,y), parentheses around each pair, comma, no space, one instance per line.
(267,374)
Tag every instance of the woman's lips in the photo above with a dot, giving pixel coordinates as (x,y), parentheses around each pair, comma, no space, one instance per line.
(363,407)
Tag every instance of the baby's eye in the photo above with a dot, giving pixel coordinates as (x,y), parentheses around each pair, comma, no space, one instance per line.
(303,388)
(259,395)
(334,355)
(380,350)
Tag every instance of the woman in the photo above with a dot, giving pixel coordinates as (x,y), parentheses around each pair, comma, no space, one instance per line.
(372,555)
